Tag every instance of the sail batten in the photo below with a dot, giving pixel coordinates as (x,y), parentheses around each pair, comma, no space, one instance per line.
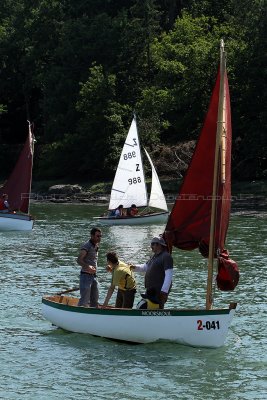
(118,191)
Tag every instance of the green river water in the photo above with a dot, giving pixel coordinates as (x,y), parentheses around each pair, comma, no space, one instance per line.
(39,361)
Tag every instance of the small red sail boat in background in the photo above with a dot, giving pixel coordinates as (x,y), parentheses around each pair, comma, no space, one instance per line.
(18,189)
(199,217)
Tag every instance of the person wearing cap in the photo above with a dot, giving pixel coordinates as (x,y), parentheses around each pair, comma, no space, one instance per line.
(87,259)
(158,271)
(123,277)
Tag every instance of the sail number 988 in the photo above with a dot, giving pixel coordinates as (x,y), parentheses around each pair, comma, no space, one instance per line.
(133,181)
(207,325)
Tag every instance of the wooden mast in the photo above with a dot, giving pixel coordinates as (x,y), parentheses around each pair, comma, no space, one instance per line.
(220,128)
(31,143)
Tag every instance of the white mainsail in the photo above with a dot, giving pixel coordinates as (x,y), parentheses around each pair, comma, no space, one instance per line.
(157,198)
(129,183)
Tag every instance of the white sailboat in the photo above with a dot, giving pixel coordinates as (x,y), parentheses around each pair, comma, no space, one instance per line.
(129,187)
(193,220)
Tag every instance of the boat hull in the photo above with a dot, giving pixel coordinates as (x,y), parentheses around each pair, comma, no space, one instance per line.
(16,222)
(200,328)
(154,218)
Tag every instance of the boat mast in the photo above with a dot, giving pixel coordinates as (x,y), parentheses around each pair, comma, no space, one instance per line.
(31,143)
(144,177)
(219,135)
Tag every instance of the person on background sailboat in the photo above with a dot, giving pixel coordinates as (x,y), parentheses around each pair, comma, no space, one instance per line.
(158,271)
(87,259)
(119,211)
(4,205)
(123,277)
(132,211)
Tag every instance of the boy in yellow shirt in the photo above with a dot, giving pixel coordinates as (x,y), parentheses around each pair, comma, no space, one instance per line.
(123,277)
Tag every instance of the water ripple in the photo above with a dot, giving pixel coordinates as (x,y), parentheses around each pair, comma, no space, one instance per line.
(40,361)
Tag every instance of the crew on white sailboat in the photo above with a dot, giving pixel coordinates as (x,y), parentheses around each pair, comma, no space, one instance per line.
(132,211)
(158,271)
(87,259)
(119,211)
(123,277)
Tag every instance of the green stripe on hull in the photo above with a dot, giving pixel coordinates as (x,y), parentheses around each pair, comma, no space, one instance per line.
(134,312)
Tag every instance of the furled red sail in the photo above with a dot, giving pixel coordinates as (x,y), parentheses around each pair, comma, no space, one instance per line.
(18,185)
(189,221)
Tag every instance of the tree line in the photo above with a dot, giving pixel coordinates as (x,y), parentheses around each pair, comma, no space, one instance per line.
(79,69)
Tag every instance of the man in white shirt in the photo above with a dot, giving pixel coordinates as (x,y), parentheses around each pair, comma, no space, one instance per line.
(158,271)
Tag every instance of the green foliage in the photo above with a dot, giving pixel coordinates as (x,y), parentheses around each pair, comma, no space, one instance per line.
(185,62)
(101,188)
(3,109)
(101,125)
(79,69)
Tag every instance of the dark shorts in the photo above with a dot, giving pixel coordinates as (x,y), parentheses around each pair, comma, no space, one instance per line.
(125,298)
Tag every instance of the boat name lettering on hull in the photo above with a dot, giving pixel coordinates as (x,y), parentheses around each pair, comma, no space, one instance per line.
(156,313)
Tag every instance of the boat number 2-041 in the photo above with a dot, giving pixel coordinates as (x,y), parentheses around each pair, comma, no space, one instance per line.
(207,325)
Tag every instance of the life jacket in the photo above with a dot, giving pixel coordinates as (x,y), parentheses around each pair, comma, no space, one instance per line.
(131,212)
(146,304)
(228,272)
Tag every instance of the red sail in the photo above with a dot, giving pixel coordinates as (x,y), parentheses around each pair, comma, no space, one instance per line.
(18,186)
(189,221)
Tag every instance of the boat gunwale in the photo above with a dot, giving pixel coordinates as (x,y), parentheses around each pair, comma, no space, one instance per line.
(132,218)
(170,312)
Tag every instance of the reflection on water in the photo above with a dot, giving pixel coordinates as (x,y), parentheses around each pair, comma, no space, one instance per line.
(42,362)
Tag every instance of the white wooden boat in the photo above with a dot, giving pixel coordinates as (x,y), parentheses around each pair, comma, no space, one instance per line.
(200,215)
(201,328)
(18,188)
(129,187)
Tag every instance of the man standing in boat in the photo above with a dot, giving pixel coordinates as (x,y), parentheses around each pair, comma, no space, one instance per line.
(87,259)
(158,271)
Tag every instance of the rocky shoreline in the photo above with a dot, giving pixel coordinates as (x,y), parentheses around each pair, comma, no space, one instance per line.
(68,194)
(75,194)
